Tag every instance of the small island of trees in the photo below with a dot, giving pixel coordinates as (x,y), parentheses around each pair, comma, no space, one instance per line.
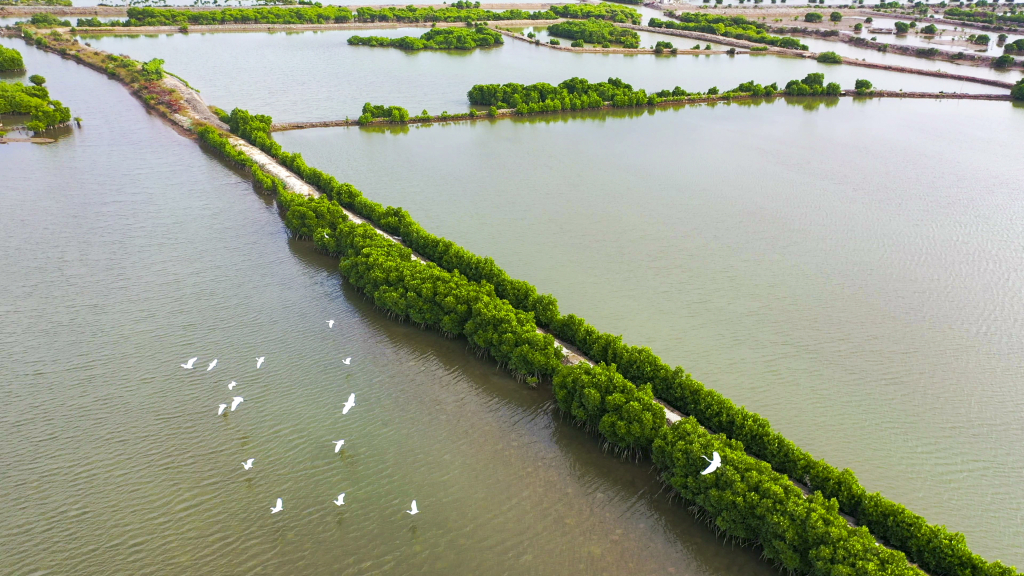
(10,60)
(436,39)
(595,31)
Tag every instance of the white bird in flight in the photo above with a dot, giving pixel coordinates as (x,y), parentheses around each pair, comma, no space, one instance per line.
(346,361)
(341,499)
(232,385)
(330,323)
(715,460)
(235,402)
(259,362)
(337,445)
(348,405)
(188,365)
(212,364)
(220,408)
(248,463)
(278,507)
(414,510)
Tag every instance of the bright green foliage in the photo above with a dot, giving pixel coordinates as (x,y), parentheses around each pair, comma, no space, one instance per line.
(812,85)
(431,296)
(830,58)
(389,113)
(863,87)
(10,60)
(1017,92)
(901,27)
(444,252)
(981,39)
(554,42)
(152,71)
(813,17)
(748,500)
(47,20)
(595,32)
(577,44)
(436,39)
(16,98)
(213,138)
(601,399)
(572,94)
(930,29)
(755,89)
(1015,46)
(836,17)
(37,79)
(602,11)
(736,27)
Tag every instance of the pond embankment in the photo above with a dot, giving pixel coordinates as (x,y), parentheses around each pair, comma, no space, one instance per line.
(122,11)
(593,49)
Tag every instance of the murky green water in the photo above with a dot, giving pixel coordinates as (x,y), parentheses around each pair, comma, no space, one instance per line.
(853,272)
(127,250)
(318,76)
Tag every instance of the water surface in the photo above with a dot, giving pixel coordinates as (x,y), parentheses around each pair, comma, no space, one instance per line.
(127,250)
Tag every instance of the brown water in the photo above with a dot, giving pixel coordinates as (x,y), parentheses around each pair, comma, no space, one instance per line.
(127,250)
(852,271)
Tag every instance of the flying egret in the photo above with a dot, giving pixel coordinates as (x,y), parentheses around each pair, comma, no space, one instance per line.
(715,461)
(188,365)
(330,323)
(220,408)
(248,463)
(235,402)
(232,385)
(341,499)
(414,510)
(259,362)
(278,508)
(348,405)
(212,364)
(346,361)
(337,446)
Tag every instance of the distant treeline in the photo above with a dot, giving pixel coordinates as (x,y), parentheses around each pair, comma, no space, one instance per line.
(35,2)
(736,27)
(983,16)
(436,39)
(340,14)
(748,498)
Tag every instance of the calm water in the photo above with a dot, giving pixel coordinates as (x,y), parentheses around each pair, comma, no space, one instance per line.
(127,250)
(318,76)
(854,273)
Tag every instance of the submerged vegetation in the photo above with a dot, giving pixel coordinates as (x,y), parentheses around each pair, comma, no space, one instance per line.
(16,98)
(10,60)
(436,39)
(736,27)
(595,32)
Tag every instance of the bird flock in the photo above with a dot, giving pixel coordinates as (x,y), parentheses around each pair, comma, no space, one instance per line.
(222,409)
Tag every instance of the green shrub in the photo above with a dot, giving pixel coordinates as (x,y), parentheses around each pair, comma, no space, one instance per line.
(554,42)
(830,58)
(931,29)
(47,20)
(577,44)
(388,113)
(862,86)
(594,31)
(37,79)
(436,39)
(902,27)
(836,17)
(736,27)
(813,17)
(10,60)
(1017,92)
(1004,61)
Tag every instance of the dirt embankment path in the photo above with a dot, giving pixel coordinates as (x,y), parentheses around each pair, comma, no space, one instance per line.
(114,30)
(593,50)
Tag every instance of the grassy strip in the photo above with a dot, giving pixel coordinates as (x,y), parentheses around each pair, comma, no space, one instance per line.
(736,27)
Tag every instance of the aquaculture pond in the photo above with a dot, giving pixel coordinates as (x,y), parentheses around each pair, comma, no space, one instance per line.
(318,76)
(850,269)
(130,250)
